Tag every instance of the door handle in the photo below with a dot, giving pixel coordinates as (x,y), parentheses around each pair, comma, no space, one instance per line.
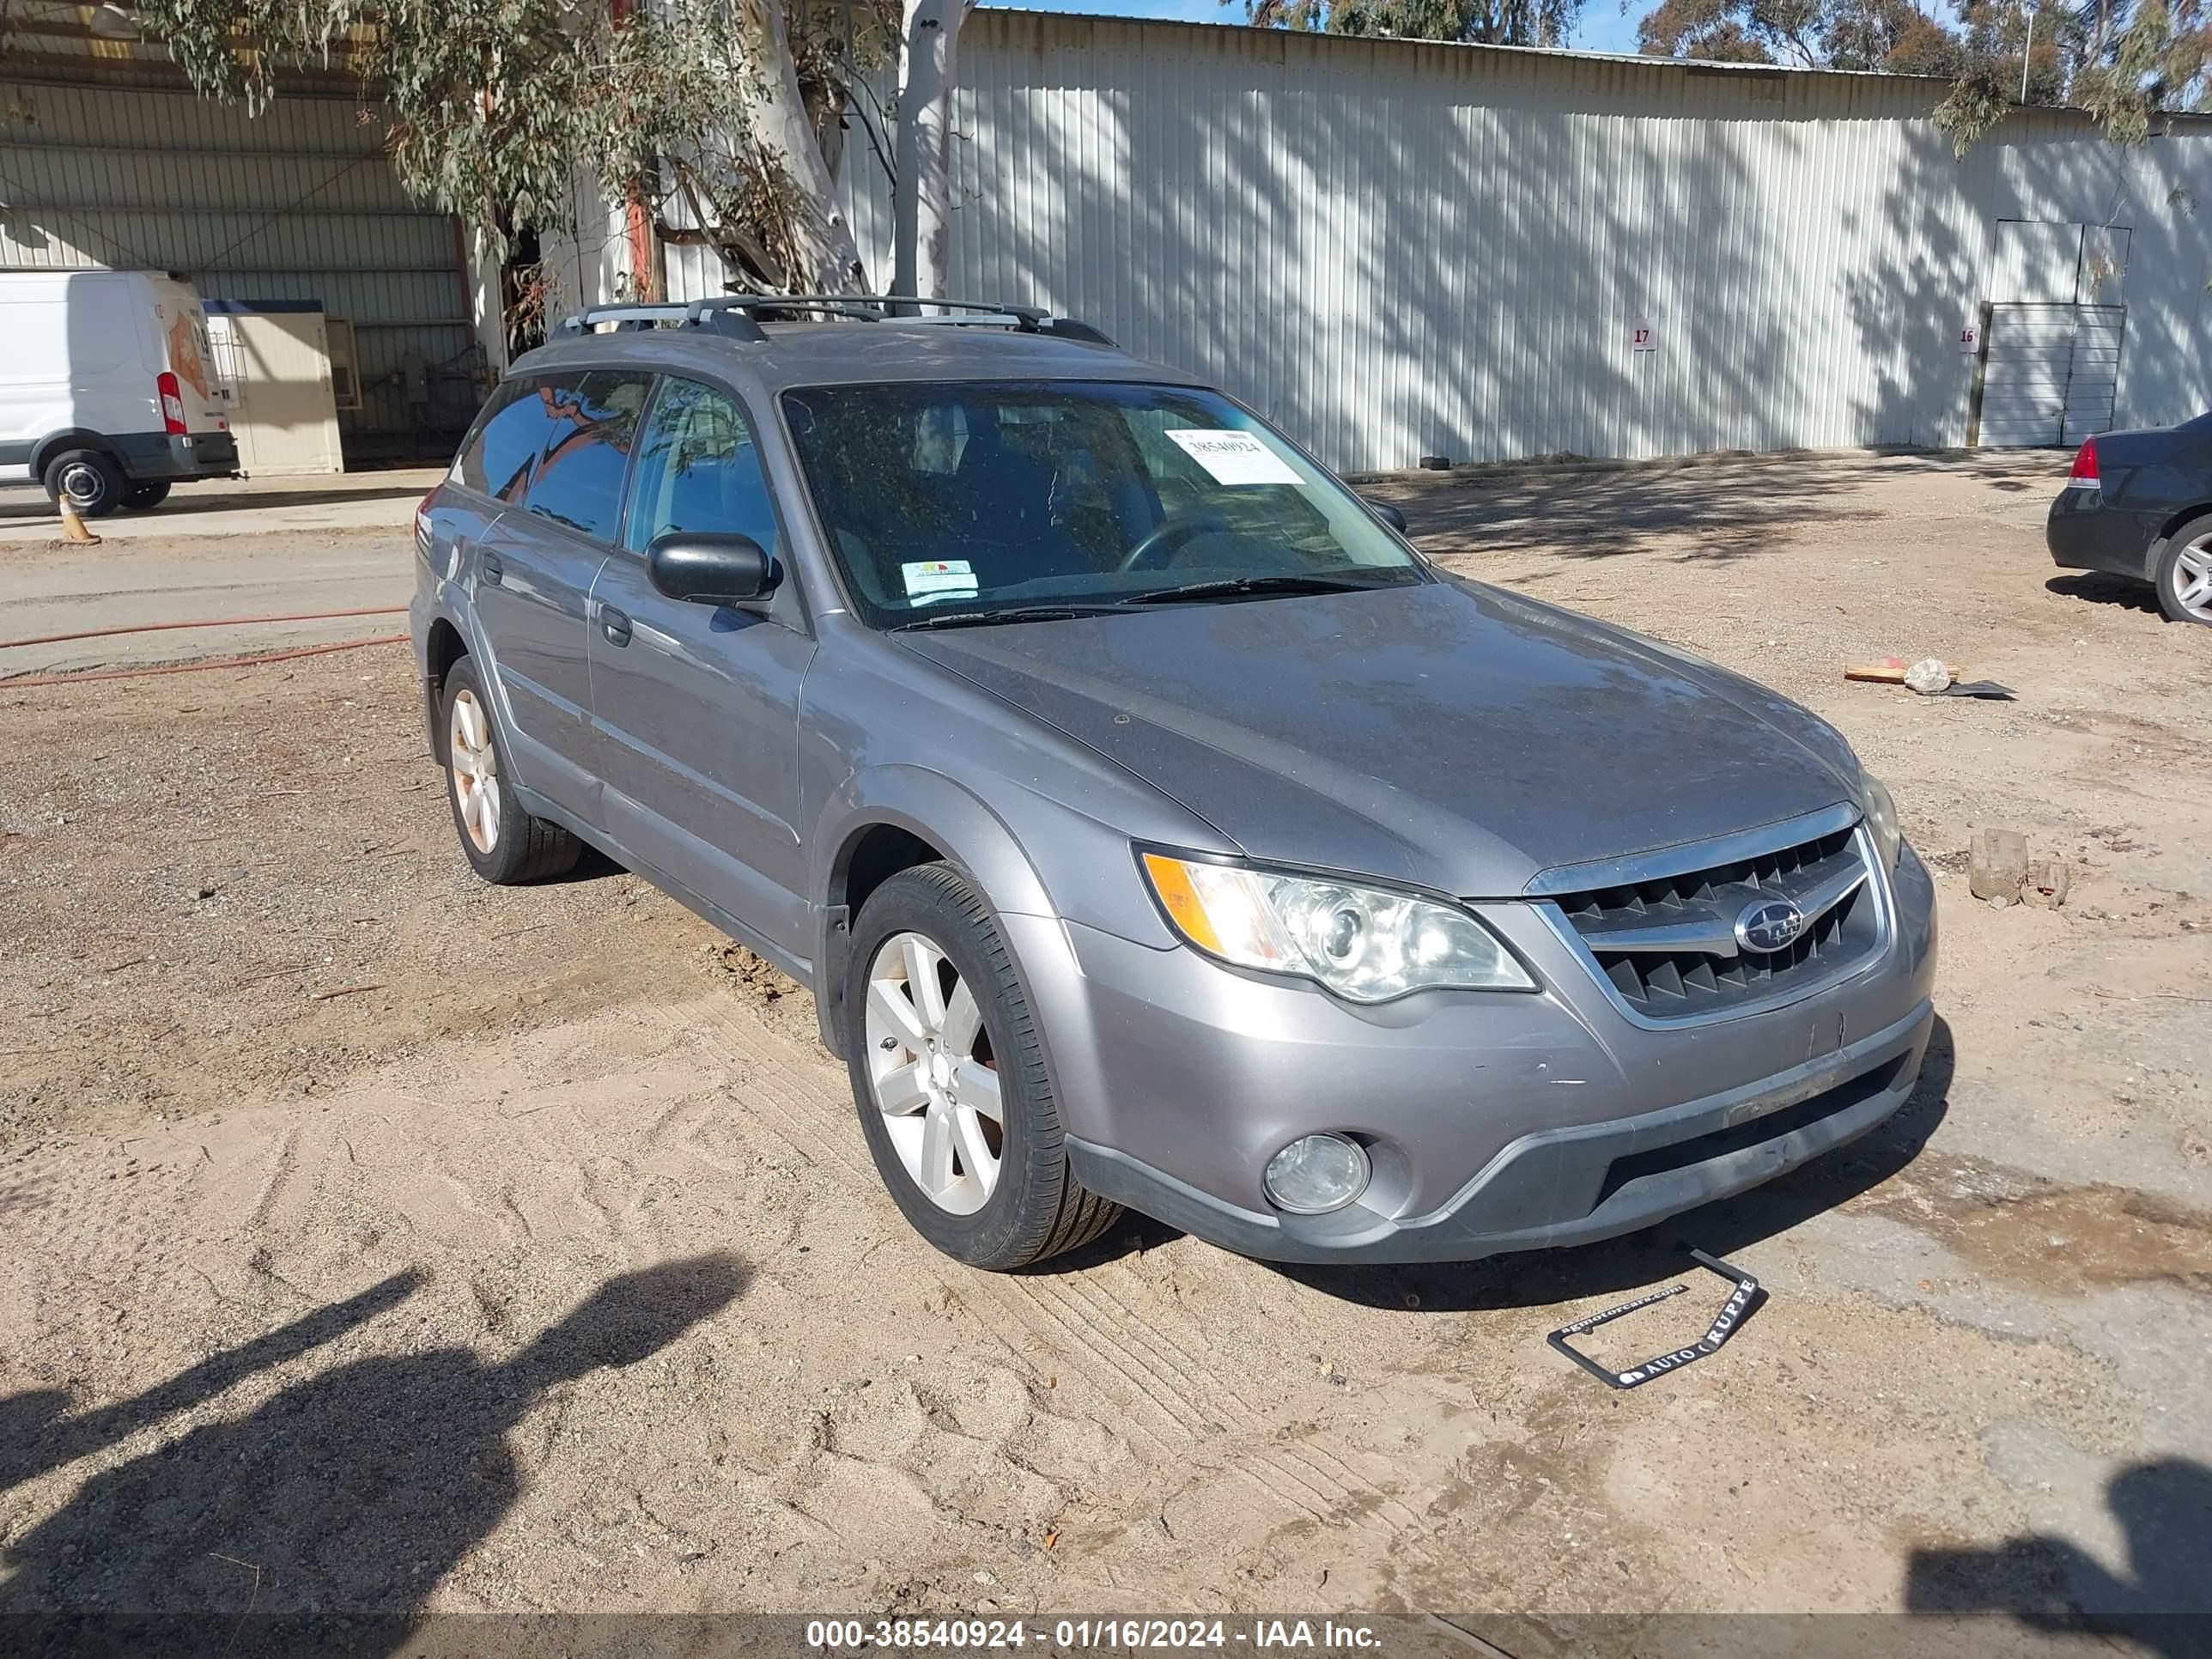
(614,625)
(489,570)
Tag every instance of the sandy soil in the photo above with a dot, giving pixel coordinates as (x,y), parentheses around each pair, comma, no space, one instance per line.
(372,1238)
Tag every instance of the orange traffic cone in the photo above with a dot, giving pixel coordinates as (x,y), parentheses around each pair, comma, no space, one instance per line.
(73,528)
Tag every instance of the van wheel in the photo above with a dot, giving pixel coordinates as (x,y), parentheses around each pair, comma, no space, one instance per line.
(505,844)
(152,493)
(89,481)
(954,1098)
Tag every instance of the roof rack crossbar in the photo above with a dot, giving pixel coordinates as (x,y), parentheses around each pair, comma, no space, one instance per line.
(1029,316)
(689,313)
(1066,328)
(857,305)
(583,321)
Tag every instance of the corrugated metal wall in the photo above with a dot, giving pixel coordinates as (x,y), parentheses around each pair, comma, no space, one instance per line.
(298,204)
(1397,249)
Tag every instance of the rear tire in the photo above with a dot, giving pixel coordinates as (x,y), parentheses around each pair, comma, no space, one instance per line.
(152,493)
(90,481)
(505,845)
(930,1067)
(2184,576)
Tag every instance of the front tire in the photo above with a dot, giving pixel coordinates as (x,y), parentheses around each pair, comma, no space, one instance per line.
(950,1082)
(88,480)
(2184,577)
(504,844)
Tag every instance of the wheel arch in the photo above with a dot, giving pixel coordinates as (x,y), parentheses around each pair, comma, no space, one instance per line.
(2167,532)
(74,437)
(892,818)
(443,645)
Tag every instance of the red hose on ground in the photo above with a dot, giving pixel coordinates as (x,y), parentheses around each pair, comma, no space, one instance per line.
(198,667)
(217,622)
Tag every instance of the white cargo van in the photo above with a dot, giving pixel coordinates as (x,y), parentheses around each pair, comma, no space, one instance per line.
(108,388)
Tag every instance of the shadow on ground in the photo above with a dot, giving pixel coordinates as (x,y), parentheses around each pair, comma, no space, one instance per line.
(2099,588)
(1734,505)
(322,1520)
(2161,1600)
(1539,1279)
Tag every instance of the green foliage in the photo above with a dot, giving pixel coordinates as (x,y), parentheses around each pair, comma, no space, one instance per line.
(1493,22)
(1852,35)
(491,107)
(2122,61)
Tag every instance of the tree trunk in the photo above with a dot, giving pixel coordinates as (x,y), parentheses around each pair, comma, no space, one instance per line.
(921,196)
(828,259)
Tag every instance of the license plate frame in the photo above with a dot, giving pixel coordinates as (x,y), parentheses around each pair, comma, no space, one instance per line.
(1746,1294)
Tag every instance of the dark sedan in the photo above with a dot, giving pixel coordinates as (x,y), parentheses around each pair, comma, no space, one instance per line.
(2139,504)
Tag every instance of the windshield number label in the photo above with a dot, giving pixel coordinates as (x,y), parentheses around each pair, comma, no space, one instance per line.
(930,579)
(1233,458)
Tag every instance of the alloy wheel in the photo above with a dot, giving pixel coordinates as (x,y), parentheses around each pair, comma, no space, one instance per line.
(475,770)
(2192,578)
(933,1073)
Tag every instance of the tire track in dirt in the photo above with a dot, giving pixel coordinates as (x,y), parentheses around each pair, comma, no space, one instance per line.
(1168,1393)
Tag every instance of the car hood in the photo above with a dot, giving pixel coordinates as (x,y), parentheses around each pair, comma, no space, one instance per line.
(1444,734)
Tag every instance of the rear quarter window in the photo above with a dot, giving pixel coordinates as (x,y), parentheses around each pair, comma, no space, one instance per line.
(498,457)
(593,427)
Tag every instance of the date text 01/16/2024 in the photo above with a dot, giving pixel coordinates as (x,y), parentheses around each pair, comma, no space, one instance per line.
(969,1635)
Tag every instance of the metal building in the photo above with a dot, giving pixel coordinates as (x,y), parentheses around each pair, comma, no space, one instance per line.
(111,162)
(1397,249)
(1394,248)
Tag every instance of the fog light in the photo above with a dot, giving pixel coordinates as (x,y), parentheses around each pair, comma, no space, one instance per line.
(1315,1174)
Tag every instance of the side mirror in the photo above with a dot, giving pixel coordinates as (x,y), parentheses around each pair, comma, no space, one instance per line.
(1389,514)
(703,569)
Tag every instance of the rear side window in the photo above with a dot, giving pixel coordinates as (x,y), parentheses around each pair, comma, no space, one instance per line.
(594,419)
(699,470)
(496,462)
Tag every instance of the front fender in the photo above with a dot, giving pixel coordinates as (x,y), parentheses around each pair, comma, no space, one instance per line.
(930,806)
(1033,855)
(947,815)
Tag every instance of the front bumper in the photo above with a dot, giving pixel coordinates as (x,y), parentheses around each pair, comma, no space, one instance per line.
(1570,1186)
(1493,1122)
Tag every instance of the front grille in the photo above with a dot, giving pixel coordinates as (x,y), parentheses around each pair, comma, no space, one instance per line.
(1668,944)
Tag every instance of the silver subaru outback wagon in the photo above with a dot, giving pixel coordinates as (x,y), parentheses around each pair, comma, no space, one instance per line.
(1152,825)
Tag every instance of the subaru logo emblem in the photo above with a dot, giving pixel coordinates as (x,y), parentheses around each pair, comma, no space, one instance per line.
(1769,926)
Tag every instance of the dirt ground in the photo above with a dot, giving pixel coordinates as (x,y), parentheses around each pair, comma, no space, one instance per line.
(374,1239)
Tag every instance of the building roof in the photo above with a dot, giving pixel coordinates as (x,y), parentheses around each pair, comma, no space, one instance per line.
(1926,90)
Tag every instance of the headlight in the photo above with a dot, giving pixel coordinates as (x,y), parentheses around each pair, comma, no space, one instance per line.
(1364,943)
(1881,818)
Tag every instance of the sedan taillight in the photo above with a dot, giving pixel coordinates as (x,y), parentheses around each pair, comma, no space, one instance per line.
(2084,476)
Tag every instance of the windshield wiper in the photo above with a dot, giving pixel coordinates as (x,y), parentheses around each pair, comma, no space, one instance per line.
(1017,613)
(1230,587)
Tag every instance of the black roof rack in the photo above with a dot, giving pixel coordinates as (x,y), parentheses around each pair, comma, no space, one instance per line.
(731,314)
(691,314)
(884,307)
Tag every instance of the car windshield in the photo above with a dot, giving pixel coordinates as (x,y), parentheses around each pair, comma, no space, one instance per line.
(983,502)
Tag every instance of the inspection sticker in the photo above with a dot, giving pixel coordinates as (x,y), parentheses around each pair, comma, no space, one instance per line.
(1234,458)
(929,579)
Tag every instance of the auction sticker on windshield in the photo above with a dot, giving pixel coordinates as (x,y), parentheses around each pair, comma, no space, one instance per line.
(938,578)
(1234,458)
